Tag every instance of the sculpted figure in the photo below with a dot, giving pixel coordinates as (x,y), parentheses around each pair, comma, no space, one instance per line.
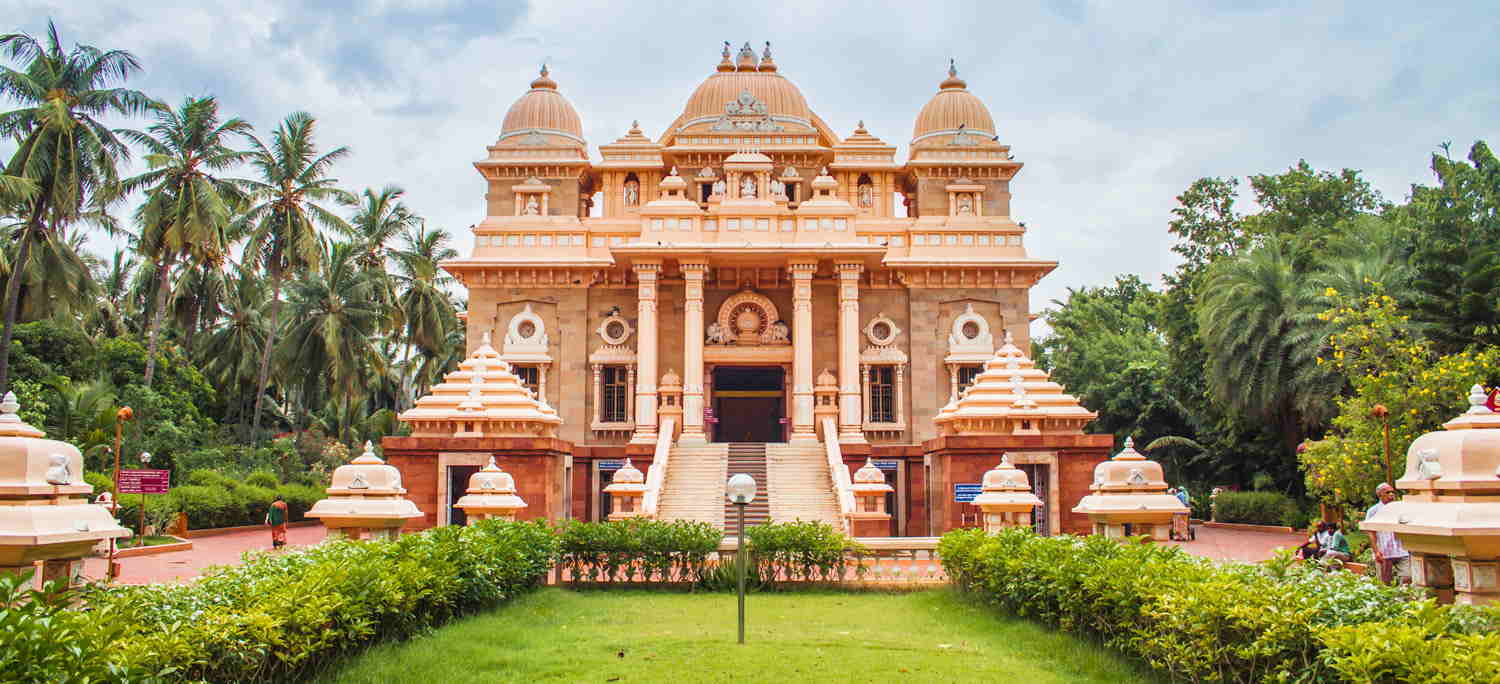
(747,188)
(778,187)
(778,333)
(965,205)
(866,196)
(717,334)
(632,193)
(57,472)
(532,208)
(719,188)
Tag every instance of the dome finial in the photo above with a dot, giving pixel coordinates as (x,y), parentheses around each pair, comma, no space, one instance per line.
(544,80)
(766,64)
(953,81)
(746,60)
(952,67)
(725,64)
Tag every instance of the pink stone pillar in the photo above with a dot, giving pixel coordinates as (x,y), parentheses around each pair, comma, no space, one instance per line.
(850,407)
(645,389)
(803,429)
(692,352)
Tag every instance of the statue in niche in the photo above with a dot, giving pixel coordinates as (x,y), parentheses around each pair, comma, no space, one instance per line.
(632,193)
(866,196)
(718,335)
(747,188)
(720,188)
(965,204)
(778,188)
(58,472)
(778,333)
(532,208)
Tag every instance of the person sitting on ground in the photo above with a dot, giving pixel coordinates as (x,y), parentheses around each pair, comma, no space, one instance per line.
(1331,543)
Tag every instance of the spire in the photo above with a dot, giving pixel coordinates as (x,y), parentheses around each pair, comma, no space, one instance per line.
(766,64)
(724,63)
(543,81)
(746,60)
(953,81)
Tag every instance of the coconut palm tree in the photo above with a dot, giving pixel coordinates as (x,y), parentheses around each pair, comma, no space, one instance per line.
(336,315)
(57,279)
(63,148)
(1258,321)
(188,205)
(424,301)
(198,299)
(230,351)
(282,225)
(379,216)
(113,309)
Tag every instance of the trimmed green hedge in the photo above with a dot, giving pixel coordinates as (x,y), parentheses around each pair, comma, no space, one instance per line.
(636,549)
(1257,508)
(211,499)
(278,617)
(1197,621)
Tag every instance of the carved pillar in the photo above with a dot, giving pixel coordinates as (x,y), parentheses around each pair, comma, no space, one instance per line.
(630,393)
(802,352)
(850,407)
(541,382)
(692,352)
(900,394)
(598,393)
(645,390)
(864,387)
(952,382)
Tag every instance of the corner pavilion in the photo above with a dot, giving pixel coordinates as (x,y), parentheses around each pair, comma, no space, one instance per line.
(749,280)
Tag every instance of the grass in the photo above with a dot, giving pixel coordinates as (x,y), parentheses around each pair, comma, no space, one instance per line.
(153,540)
(639,636)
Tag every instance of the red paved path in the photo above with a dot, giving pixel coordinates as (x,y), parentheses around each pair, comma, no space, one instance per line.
(226,549)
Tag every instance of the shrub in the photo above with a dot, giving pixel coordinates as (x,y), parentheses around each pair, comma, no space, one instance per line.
(805,551)
(1197,621)
(637,549)
(101,482)
(1255,508)
(277,617)
(263,478)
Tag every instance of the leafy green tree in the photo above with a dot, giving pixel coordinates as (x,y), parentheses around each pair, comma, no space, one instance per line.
(431,317)
(230,352)
(1455,251)
(284,223)
(63,148)
(188,206)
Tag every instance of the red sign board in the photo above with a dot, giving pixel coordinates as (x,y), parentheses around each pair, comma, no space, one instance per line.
(145,481)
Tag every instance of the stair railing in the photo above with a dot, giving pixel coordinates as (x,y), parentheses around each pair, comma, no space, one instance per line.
(656,475)
(843,488)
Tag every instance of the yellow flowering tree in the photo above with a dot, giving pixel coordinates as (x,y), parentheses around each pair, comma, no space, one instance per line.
(1387,364)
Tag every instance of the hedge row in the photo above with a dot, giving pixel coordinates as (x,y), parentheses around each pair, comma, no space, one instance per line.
(211,499)
(1257,508)
(1196,621)
(636,549)
(277,617)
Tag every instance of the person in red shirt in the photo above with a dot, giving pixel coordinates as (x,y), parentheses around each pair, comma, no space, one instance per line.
(276,518)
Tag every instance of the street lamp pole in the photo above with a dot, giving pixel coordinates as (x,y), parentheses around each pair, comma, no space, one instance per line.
(125,413)
(145,461)
(741,492)
(1384,414)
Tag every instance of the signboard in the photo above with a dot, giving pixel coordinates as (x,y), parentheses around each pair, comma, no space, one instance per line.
(887,465)
(708,415)
(611,464)
(965,493)
(144,481)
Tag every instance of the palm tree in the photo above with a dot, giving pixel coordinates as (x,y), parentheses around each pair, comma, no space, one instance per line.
(113,308)
(229,353)
(198,299)
(63,149)
(336,315)
(424,299)
(187,206)
(1258,321)
(283,225)
(379,216)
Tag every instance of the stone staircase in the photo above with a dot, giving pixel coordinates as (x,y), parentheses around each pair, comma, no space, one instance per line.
(799,484)
(748,458)
(694,486)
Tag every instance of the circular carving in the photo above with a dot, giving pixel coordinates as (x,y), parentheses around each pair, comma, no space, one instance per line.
(748,320)
(615,330)
(971,330)
(749,315)
(881,331)
(527,329)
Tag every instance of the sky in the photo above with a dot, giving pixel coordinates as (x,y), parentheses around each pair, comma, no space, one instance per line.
(1114,108)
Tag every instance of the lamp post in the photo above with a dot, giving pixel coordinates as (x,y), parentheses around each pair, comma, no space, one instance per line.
(145,461)
(741,492)
(1384,414)
(125,413)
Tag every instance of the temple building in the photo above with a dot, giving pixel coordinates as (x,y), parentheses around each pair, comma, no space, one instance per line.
(749,291)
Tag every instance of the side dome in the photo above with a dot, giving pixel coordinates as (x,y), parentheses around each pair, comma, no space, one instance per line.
(543,111)
(952,108)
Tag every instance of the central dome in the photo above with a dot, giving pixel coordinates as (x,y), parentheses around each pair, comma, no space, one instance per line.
(780,96)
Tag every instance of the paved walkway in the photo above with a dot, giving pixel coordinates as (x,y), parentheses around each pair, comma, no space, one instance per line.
(227,549)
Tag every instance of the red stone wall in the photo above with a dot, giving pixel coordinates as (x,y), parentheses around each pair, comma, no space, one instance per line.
(536,464)
(965,459)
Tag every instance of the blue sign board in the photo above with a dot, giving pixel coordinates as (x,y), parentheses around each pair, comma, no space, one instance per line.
(886,465)
(612,464)
(965,493)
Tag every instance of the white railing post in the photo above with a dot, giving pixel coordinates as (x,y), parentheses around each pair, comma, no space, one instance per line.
(656,475)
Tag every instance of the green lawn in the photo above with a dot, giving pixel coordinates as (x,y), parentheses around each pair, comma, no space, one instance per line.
(639,636)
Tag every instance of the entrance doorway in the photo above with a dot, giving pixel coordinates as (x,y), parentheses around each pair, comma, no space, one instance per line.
(749,404)
(458,482)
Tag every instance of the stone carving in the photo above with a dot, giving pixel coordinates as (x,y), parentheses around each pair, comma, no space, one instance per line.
(778,188)
(1137,477)
(718,334)
(747,317)
(359,482)
(527,334)
(534,139)
(965,204)
(1429,467)
(747,188)
(866,196)
(720,188)
(58,472)
(706,172)
(746,103)
(532,208)
(778,333)
(971,333)
(632,193)
(962,138)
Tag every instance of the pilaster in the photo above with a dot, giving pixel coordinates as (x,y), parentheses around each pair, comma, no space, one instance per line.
(692,350)
(851,408)
(803,428)
(646,351)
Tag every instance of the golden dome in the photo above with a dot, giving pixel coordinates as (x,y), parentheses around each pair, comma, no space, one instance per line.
(544,111)
(954,106)
(780,97)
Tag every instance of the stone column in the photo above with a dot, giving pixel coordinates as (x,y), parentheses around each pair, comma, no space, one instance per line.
(864,387)
(630,393)
(803,428)
(900,394)
(645,389)
(952,382)
(692,351)
(598,393)
(850,406)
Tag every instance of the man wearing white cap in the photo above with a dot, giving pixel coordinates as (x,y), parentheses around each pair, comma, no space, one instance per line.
(1391,557)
